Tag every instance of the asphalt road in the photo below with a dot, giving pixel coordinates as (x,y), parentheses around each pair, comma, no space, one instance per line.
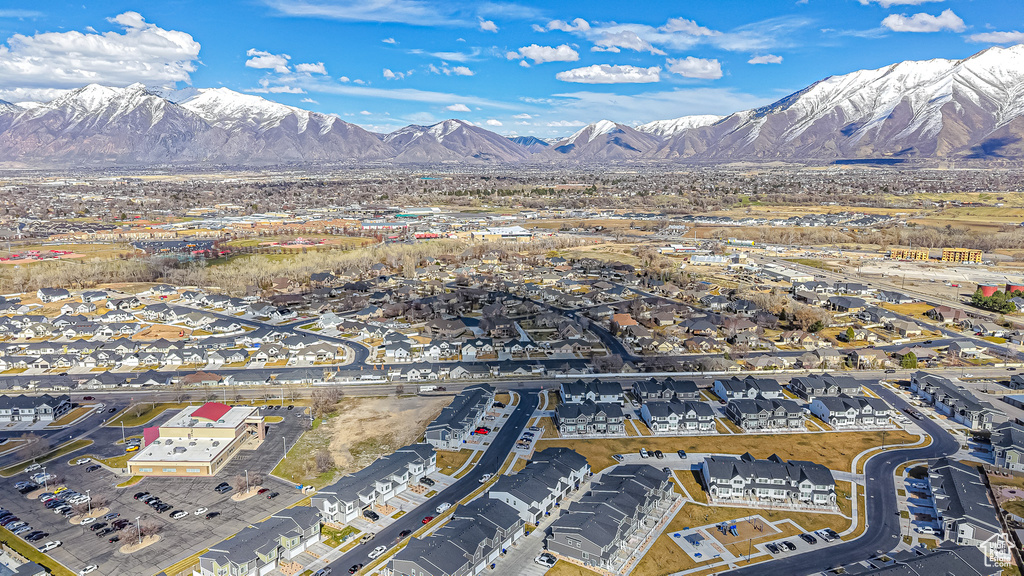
(489,463)
(884,527)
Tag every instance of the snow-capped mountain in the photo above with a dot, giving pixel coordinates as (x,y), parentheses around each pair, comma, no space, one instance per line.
(269,130)
(971,108)
(452,140)
(100,124)
(931,108)
(604,140)
(674,127)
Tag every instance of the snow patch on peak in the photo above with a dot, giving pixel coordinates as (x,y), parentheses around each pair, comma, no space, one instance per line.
(668,128)
(592,131)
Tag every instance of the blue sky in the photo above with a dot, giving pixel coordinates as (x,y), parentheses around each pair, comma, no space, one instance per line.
(529,68)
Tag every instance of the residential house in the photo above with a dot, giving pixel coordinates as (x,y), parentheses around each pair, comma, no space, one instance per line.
(382,480)
(47,295)
(259,548)
(965,511)
(678,417)
(600,391)
(666,389)
(852,412)
(748,387)
(590,418)
(551,475)
(457,420)
(45,408)
(754,414)
(1008,446)
(814,385)
(955,401)
(596,529)
(773,480)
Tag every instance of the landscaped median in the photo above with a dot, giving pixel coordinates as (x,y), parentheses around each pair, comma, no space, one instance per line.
(63,449)
(71,416)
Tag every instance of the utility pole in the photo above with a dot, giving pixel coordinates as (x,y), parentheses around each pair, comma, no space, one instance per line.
(123,440)
(138,528)
(246,481)
(88,494)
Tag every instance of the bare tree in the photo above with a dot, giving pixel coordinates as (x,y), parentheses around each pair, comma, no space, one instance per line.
(324,401)
(399,390)
(323,459)
(35,446)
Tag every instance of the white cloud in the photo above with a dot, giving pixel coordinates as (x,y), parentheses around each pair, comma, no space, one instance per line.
(541,54)
(890,3)
(522,116)
(458,108)
(143,52)
(359,81)
(365,112)
(389,41)
(449,71)
(524,63)
(318,85)
(344,79)
(648,106)
(31,94)
(5,13)
(628,39)
(415,12)
(690,67)
(493,122)
(577,25)
(566,124)
(264,60)
(488,25)
(390,75)
(453,56)
(924,22)
(309,101)
(681,34)
(277,90)
(1013,37)
(311,68)
(765,59)
(610,74)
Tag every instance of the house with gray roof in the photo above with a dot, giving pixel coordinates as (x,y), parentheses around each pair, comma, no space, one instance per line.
(814,385)
(746,478)
(259,548)
(457,420)
(551,475)
(1008,446)
(966,514)
(471,541)
(945,560)
(749,387)
(601,391)
(852,411)
(43,408)
(383,479)
(678,417)
(590,418)
(760,414)
(596,529)
(666,389)
(955,401)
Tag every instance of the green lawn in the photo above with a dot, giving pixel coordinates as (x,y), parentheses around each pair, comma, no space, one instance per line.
(32,554)
(66,448)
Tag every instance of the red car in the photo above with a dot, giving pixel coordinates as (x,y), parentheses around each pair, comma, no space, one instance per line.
(428,519)
(263,490)
(482,431)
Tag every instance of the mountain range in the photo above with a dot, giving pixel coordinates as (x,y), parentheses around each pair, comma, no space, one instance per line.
(933,109)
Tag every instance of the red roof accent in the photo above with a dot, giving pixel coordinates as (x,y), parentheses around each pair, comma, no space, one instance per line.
(150,434)
(211,411)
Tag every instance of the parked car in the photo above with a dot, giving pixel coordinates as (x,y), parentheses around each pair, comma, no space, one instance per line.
(87,521)
(404,533)
(681,453)
(485,478)
(178,514)
(200,510)
(426,481)
(376,552)
(643,453)
(442,507)
(273,495)
(808,538)
(93,468)
(366,538)
(427,519)
(82,461)
(371,515)
(926,530)
(88,570)
(772,548)
(658,454)
(212,515)
(789,545)
(546,560)
(50,545)
(355,568)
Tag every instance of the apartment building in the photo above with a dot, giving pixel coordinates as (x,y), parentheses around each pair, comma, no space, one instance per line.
(745,478)
(457,420)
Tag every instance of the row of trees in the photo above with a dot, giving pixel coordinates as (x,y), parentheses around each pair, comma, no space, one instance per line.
(998,302)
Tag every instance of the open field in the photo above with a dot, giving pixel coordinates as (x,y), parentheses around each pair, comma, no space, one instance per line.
(77,250)
(330,241)
(357,433)
(450,462)
(836,451)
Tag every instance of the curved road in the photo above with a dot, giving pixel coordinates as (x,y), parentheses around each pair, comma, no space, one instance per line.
(489,463)
(884,528)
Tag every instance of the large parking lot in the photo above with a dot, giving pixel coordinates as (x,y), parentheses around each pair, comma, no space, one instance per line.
(178,538)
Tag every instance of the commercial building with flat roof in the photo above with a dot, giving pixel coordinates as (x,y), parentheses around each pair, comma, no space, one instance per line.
(961,255)
(198,440)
